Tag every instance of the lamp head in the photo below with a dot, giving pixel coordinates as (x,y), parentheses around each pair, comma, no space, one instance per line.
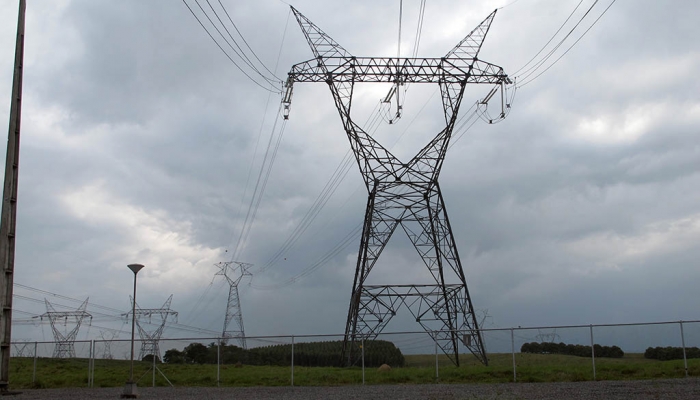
(135,268)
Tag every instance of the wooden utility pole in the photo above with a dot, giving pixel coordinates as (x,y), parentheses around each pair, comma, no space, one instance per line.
(8,219)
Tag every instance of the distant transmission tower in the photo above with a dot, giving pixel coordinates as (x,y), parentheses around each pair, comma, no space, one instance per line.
(150,338)
(233,272)
(22,347)
(405,194)
(547,337)
(107,338)
(65,340)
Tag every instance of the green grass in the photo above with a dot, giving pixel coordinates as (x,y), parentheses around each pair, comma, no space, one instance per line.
(419,369)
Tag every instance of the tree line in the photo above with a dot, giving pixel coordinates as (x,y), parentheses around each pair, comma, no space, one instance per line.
(671,353)
(572,349)
(312,354)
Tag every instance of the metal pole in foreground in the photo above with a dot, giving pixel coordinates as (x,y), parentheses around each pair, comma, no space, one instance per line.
(153,384)
(592,351)
(130,391)
(9,208)
(512,349)
(363,360)
(91,363)
(437,365)
(218,363)
(685,360)
(292,360)
(34,370)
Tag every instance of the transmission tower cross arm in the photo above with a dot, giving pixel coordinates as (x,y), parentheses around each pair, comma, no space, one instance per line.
(392,70)
(452,70)
(336,66)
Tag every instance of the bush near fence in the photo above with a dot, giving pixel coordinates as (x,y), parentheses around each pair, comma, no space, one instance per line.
(671,353)
(313,354)
(572,349)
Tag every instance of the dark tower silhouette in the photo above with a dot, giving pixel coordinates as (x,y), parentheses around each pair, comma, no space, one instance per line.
(404,194)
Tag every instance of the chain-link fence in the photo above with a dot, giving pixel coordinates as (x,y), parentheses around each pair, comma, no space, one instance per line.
(608,351)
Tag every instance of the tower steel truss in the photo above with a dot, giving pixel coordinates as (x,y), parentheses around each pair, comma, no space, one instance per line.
(150,339)
(233,272)
(65,340)
(405,194)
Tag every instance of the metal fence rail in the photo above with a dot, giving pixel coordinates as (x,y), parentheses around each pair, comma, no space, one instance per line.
(636,337)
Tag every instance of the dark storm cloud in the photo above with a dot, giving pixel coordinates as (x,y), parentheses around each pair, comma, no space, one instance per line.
(139,136)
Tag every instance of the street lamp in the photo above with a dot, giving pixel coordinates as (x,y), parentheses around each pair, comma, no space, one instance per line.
(130,391)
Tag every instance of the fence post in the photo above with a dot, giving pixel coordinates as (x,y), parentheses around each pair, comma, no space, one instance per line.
(153,367)
(218,363)
(437,374)
(685,360)
(94,359)
(90,361)
(292,360)
(363,359)
(512,349)
(34,372)
(93,347)
(592,351)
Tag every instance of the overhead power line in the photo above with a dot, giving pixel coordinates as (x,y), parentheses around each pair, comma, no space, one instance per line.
(550,39)
(103,317)
(265,167)
(544,59)
(244,41)
(536,69)
(58,296)
(272,84)
(570,47)
(260,185)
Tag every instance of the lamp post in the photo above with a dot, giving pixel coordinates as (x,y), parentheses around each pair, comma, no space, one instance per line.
(130,391)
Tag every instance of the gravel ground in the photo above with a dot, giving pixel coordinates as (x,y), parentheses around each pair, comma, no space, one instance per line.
(688,388)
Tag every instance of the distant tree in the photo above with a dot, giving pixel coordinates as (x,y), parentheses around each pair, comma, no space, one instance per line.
(231,354)
(149,358)
(174,356)
(575,350)
(671,353)
(196,353)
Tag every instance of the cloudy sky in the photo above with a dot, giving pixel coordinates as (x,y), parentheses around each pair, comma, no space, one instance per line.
(141,142)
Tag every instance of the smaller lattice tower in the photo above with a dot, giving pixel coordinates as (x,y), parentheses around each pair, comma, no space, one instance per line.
(151,316)
(65,339)
(233,272)
(22,348)
(107,339)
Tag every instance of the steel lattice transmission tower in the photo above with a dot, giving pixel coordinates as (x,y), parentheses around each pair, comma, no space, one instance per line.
(150,339)
(233,272)
(405,194)
(65,341)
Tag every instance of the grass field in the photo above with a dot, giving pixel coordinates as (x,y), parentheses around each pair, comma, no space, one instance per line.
(419,369)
